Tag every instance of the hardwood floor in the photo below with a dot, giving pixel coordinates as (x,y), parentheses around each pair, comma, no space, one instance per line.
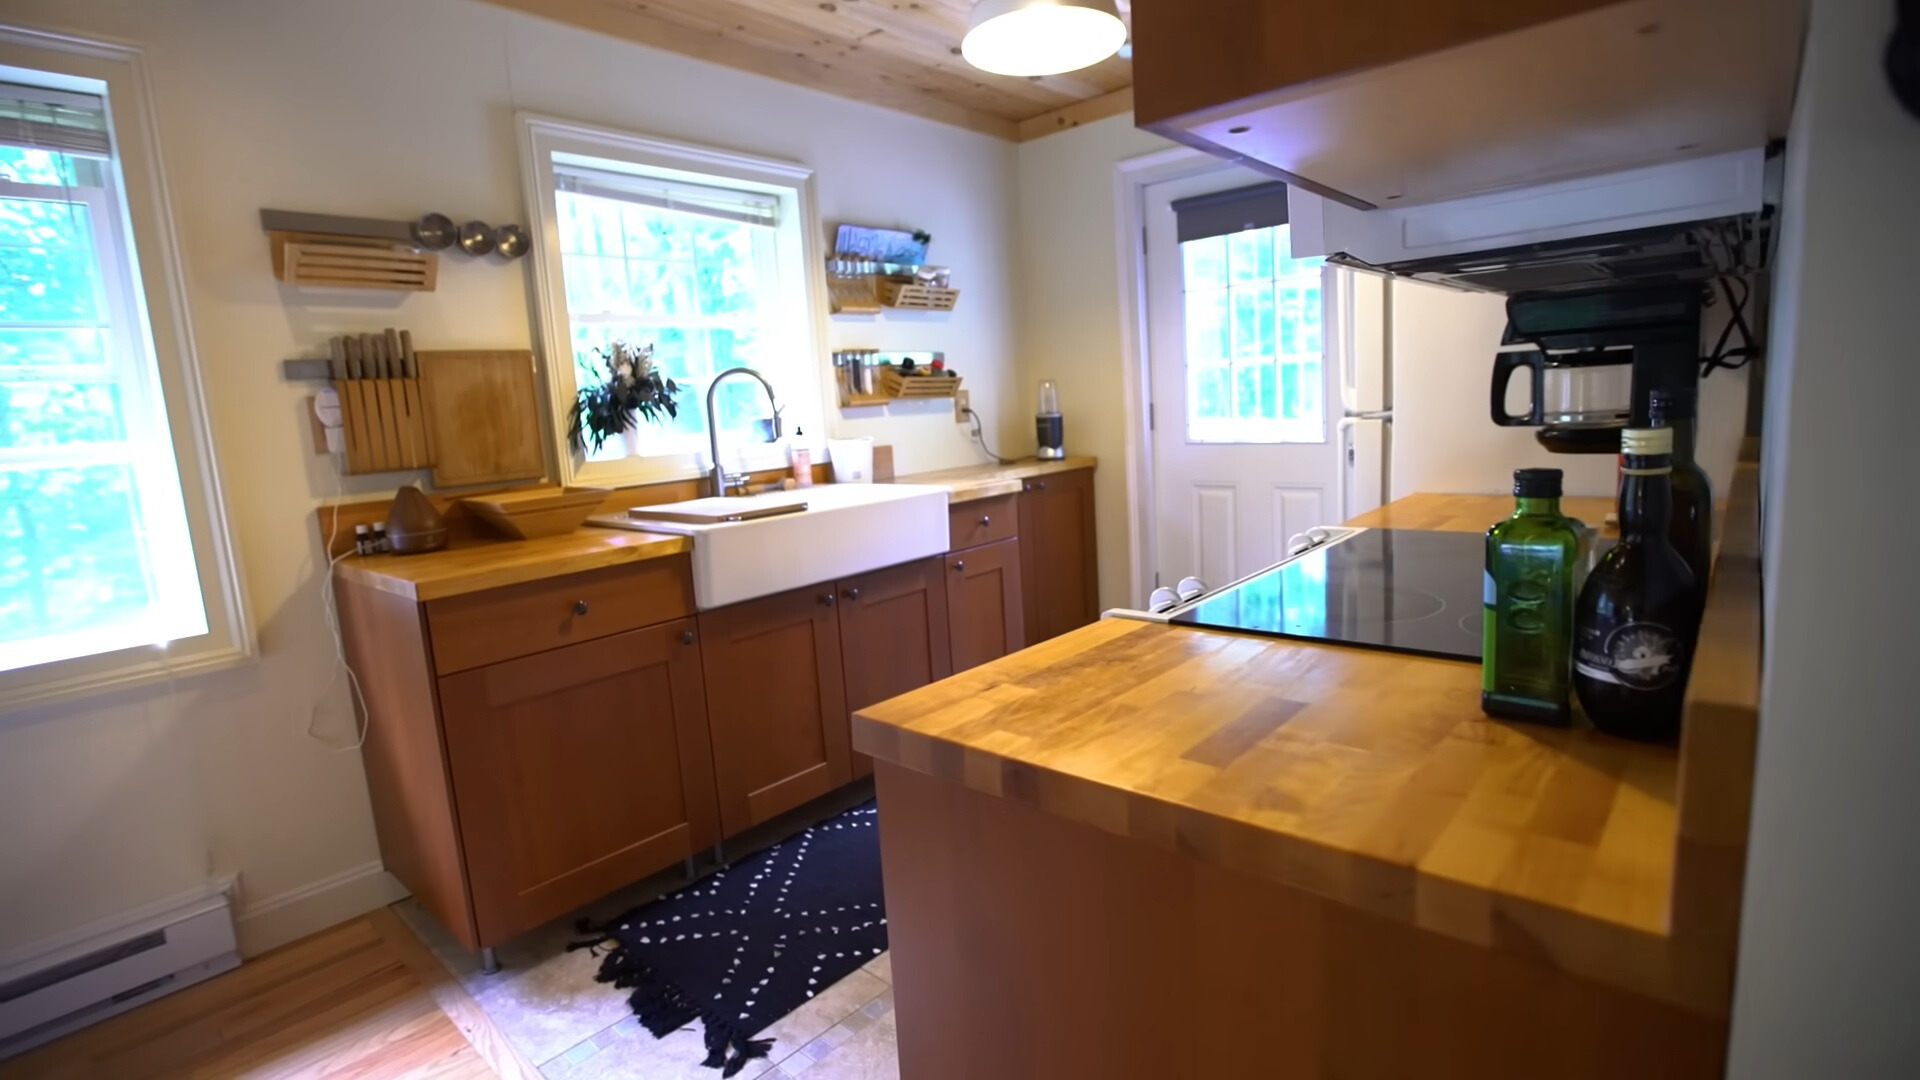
(363,999)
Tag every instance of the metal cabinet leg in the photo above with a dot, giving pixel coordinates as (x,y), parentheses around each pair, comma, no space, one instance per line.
(686,867)
(489,963)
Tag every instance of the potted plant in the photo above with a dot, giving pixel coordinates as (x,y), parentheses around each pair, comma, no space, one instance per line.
(632,389)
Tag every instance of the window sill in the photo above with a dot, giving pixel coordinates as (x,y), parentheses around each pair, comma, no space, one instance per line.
(48,684)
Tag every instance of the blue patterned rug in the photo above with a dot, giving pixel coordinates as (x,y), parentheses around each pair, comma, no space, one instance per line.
(748,945)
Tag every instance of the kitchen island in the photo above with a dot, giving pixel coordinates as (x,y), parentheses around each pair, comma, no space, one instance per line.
(1142,850)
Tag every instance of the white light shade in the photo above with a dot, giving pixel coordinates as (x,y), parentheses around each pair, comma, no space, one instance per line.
(1042,37)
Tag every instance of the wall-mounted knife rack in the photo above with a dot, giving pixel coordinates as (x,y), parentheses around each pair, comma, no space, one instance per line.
(377,380)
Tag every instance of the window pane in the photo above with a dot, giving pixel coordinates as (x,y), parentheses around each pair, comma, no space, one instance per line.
(595,284)
(1290,390)
(48,347)
(1207,326)
(659,288)
(1252,321)
(47,271)
(24,166)
(1250,255)
(1205,262)
(45,414)
(71,551)
(652,233)
(1207,397)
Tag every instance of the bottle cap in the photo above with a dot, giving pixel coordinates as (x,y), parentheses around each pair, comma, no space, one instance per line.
(1671,403)
(1645,442)
(1537,483)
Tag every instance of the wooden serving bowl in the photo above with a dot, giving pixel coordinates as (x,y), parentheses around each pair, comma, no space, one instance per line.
(536,512)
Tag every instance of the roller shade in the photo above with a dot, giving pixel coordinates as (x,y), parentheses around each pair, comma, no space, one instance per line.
(53,120)
(1219,213)
(752,207)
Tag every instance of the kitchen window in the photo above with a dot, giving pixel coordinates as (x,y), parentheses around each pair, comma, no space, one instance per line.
(1254,339)
(113,569)
(702,254)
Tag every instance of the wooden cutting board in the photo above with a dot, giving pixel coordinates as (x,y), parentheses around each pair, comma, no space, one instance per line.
(482,416)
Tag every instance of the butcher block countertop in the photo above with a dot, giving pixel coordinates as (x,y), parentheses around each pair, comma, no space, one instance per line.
(1366,777)
(473,565)
(970,482)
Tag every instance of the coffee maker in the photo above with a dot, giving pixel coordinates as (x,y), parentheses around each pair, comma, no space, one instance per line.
(1594,358)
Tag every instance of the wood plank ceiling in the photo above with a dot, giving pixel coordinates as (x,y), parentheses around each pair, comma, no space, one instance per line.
(899,54)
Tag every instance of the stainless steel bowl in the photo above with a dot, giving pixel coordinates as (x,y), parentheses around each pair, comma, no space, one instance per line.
(435,231)
(512,241)
(476,238)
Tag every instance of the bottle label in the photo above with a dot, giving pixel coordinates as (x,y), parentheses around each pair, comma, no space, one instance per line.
(1638,656)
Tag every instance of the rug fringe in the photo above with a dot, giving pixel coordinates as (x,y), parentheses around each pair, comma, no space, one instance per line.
(663,1008)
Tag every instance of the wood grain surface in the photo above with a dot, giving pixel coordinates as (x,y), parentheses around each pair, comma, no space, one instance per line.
(363,999)
(519,620)
(478,565)
(1364,777)
(970,482)
(482,416)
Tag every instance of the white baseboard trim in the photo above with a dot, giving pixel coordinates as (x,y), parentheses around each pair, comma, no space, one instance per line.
(292,915)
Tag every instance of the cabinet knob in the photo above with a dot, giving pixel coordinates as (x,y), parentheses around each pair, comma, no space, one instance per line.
(959,565)
(1041,484)
(827,599)
(579,607)
(686,637)
(986,520)
(853,594)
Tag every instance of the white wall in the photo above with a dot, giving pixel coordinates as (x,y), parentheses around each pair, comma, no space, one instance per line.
(1829,972)
(385,109)
(1443,342)
(1069,313)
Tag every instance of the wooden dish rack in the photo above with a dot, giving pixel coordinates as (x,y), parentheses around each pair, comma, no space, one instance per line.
(893,384)
(351,262)
(913,296)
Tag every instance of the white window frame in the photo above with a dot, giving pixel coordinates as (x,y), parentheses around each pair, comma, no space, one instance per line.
(160,323)
(798,249)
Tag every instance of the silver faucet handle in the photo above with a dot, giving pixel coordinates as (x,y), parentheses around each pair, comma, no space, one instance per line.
(732,480)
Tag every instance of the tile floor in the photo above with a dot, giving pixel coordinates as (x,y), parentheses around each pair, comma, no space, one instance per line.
(546,1002)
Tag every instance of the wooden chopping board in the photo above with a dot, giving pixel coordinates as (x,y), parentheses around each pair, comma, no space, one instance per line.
(482,416)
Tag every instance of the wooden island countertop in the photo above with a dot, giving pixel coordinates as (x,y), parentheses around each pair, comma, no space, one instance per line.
(1368,778)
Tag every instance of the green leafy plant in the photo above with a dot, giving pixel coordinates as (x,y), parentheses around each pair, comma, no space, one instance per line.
(632,389)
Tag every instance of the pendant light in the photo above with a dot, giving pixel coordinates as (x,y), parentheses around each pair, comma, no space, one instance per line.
(1041,37)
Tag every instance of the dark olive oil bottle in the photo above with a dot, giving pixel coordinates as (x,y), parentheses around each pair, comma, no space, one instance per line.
(1636,618)
(1692,528)
(1527,622)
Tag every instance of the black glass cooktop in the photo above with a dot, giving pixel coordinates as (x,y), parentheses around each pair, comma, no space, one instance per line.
(1405,590)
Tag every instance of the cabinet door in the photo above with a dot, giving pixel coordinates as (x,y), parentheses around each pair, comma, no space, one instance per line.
(1059,569)
(776,703)
(578,771)
(893,636)
(984,600)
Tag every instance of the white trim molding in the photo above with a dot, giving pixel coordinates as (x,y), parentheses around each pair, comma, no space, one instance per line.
(119,71)
(292,915)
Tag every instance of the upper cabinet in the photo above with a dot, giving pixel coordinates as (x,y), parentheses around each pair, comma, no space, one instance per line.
(1396,102)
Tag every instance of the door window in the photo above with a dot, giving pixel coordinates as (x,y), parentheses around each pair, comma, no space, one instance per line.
(1254,353)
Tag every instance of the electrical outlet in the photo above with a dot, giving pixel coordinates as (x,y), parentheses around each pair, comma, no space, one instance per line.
(961,403)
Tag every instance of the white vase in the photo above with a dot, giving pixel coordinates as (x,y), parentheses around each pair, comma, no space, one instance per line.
(630,439)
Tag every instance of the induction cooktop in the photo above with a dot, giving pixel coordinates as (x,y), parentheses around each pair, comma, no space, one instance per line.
(1403,590)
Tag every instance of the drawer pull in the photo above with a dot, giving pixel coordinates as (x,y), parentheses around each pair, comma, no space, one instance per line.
(686,637)
(853,594)
(986,520)
(827,599)
(579,607)
(959,565)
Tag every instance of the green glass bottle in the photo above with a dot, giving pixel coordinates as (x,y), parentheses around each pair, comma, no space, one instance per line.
(1527,621)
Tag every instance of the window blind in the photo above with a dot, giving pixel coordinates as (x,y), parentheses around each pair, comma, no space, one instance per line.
(1219,213)
(53,120)
(728,204)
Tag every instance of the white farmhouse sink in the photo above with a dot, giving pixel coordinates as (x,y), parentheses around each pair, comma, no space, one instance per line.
(846,529)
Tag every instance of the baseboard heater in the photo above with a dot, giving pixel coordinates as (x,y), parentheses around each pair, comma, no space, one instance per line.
(83,982)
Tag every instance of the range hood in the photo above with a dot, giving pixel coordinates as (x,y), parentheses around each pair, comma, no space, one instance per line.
(1673,223)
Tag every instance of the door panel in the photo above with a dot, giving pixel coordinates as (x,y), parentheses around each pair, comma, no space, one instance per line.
(983,603)
(776,703)
(1059,564)
(1243,441)
(893,636)
(578,771)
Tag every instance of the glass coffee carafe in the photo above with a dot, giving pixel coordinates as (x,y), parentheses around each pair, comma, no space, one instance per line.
(1579,399)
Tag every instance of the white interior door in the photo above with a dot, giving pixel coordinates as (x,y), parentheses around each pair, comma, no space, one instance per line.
(1243,433)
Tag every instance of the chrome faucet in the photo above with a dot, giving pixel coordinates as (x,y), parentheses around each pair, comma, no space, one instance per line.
(713,428)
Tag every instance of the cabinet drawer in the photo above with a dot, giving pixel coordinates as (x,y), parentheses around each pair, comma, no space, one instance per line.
(982,521)
(519,620)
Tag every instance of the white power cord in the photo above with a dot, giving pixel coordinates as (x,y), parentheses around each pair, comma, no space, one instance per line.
(981,438)
(356,701)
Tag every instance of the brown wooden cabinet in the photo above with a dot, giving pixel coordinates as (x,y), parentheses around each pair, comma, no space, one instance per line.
(1059,570)
(893,636)
(776,703)
(577,771)
(985,619)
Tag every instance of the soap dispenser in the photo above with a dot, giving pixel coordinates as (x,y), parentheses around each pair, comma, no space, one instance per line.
(1049,429)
